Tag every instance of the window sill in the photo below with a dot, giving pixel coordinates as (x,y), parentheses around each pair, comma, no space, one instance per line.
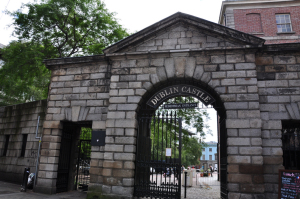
(257,33)
(279,33)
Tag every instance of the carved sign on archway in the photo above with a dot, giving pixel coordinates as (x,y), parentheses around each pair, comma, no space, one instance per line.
(180,90)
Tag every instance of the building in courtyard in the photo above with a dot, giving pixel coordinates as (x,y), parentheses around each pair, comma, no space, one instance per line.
(210,155)
(252,83)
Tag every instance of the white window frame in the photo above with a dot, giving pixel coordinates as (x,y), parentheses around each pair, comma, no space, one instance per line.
(283,23)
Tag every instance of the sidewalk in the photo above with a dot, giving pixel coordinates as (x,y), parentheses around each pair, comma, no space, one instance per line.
(12,191)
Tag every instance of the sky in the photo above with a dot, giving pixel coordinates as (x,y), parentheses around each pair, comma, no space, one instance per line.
(134,15)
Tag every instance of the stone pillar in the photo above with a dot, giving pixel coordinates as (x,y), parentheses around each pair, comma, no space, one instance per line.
(49,157)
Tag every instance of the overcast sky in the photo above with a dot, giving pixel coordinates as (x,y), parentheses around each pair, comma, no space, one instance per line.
(133,15)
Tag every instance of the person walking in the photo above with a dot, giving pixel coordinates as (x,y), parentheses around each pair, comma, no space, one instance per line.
(211,171)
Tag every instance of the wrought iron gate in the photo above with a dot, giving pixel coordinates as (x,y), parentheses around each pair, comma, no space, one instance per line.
(223,159)
(158,158)
(64,159)
(83,164)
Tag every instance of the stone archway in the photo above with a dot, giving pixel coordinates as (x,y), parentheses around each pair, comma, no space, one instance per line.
(145,185)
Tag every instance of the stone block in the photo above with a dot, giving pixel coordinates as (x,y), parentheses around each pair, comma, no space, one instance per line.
(126,92)
(237,89)
(236,58)
(129,165)
(278,83)
(245,66)
(99,125)
(228,98)
(128,182)
(117,100)
(239,178)
(119,190)
(218,75)
(246,81)
(233,168)
(224,67)
(128,63)
(180,64)
(238,141)
(250,150)
(250,132)
(125,140)
(271,142)
(272,124)
(124,156)
(273,160)
(239,159)
(203,59)
(199,70)
(113,164)
(190,67)
(236,105)
(130,148)
(236,74)
(114,148)
(284,60)
(251,188)
(220,59)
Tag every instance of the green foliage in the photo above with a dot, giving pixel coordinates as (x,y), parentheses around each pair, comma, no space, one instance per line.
(191,152)
(23,76)
(85,148)
(52,29)
(72,27)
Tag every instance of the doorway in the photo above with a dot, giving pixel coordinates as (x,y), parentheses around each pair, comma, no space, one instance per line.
(74,157)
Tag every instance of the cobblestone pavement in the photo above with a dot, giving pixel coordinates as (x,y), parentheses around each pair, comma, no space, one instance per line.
(203,188)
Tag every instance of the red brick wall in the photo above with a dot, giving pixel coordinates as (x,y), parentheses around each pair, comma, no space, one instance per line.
(243,17)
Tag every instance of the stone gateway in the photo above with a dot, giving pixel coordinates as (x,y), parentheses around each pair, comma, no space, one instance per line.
(255,89)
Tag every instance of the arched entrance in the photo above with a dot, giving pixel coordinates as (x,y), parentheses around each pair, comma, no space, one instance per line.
(159,139)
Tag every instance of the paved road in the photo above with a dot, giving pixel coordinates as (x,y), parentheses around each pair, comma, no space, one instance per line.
(205,188)
(12,191)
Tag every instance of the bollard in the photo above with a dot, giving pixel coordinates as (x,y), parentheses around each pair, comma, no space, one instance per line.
(185,177)
(25,179)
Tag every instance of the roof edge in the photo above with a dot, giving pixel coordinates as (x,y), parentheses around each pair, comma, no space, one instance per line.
(182,17)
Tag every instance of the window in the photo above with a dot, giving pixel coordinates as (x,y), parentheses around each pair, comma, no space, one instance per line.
(24,141)
(210,149)
(203,149)
(210,157)
(216,156)
(254,23)
(6,145)
(203,157)
(283,22)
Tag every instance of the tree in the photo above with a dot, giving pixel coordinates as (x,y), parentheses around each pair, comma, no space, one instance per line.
(23,76)
(72,27)
(52,29)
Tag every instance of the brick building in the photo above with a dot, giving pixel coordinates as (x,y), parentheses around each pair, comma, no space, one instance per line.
(255,89)
(275,21)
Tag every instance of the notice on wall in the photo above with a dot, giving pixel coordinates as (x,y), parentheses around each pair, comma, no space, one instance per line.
(168,152)
(289,184)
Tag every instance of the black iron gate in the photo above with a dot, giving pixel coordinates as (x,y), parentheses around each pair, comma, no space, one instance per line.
(64,159)
(84,159)
(223,159)
(158,158)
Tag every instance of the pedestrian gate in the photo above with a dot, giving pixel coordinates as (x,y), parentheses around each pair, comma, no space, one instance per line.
(158,160)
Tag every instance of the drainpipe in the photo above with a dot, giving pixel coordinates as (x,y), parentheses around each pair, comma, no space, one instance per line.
(37,160)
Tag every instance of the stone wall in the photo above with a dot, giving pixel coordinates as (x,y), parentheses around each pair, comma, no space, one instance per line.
(78,93)
(279,93)
(16,121)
